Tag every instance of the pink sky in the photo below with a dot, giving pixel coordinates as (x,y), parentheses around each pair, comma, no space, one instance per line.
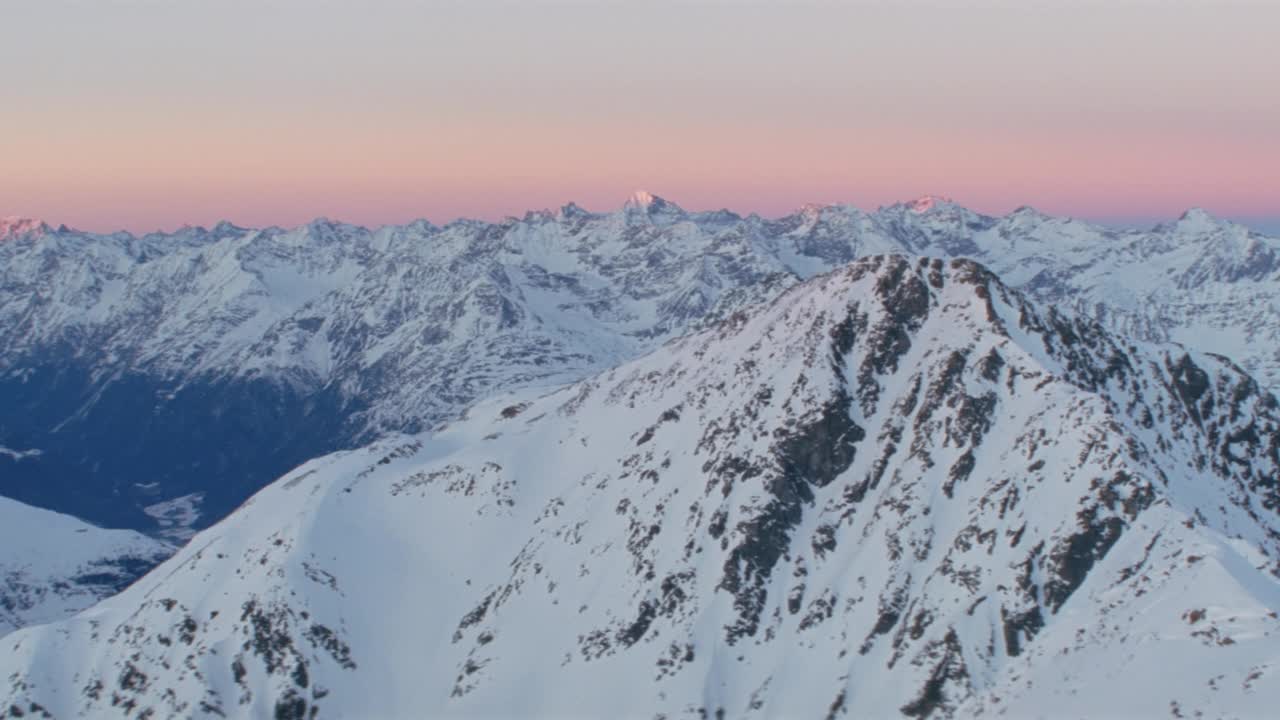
(143,114)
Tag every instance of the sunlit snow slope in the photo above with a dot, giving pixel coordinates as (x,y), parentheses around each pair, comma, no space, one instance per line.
(899,489)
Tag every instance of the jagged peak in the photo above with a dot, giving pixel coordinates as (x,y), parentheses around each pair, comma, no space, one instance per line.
(894,277)
(535,217)
(15,225)
(571,210)
(926,203)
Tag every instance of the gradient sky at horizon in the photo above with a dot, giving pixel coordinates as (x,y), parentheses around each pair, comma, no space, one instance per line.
(150,114)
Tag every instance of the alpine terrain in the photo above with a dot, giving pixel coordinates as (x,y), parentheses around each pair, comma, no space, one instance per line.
(902,488)
(53,566)
(162,379)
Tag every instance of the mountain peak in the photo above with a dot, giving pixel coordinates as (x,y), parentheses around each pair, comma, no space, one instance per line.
(641,199)
(14,225)
(925,203)
(647,208)
(647,202)
(1027,214)
(572,209)
(817,209)
(1198,217)
(1195,221)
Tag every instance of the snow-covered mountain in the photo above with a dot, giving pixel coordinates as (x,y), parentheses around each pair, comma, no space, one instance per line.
(898,489)
(53,566)
(194,367)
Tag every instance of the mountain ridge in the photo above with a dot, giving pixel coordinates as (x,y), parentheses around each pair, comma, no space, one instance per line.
(901,476)
(638,199)
(290,343)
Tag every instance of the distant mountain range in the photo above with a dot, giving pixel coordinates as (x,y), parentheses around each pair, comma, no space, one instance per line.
(901,488)
(165,378)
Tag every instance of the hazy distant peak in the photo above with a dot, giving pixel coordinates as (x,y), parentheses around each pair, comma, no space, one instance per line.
(536,217)
(1197,221)
(641,199)
(925,206)
(15,225)
(925,203)
(644,201)
(1199,218)
(572,209)
(819,208)
(1028,214)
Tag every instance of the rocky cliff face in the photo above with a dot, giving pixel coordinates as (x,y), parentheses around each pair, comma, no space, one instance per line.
(901,488)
